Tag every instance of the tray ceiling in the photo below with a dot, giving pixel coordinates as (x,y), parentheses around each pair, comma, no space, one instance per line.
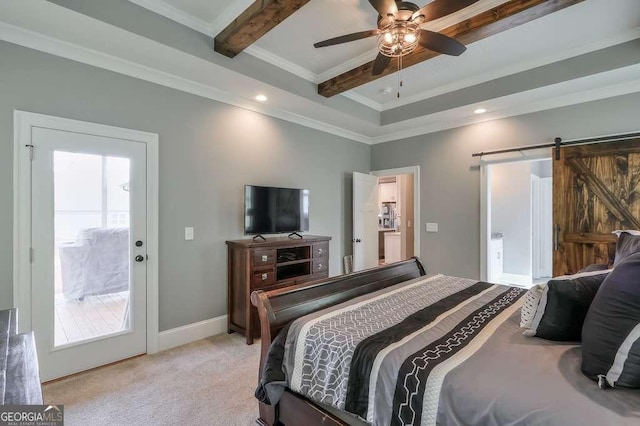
(566,33)
(587,51)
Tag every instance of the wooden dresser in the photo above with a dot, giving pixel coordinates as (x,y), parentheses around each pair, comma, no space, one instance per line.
(266,265)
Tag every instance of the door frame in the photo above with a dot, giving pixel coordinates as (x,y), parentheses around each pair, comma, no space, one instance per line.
(23,122)
(415,170)
(485,196)
(534,205)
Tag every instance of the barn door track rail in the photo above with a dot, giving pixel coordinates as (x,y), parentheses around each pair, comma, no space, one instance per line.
(558,143)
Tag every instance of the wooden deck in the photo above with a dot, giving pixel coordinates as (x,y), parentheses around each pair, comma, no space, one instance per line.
(94,316)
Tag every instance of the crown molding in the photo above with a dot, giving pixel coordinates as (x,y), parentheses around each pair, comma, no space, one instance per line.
(44,43)
(631,85)
(462,15)
(180,16)
(352,63)
(280,62)
(354,96)
(229,14)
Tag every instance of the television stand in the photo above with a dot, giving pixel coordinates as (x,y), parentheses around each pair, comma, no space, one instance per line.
(300,237)
(259,236)
(278,263)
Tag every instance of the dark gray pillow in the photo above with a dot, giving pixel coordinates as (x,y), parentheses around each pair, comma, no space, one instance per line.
(563,306)
(611,331)
(628,244)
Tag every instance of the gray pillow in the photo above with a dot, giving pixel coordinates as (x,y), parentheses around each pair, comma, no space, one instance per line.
(611,330)
(628,244)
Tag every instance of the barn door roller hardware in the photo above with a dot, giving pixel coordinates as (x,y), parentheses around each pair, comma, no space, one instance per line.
(558,143)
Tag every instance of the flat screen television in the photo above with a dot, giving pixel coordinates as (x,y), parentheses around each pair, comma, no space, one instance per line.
(269,210)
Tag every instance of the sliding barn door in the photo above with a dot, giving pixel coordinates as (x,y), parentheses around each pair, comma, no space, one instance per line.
(596,190)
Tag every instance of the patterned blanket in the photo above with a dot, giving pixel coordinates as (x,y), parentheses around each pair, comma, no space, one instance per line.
(384,356)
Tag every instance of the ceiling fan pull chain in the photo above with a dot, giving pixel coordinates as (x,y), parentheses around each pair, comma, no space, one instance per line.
(399,69)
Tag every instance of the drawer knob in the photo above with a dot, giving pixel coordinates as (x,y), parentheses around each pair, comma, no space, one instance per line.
(264,277)
(319,265)
(265,257)
(320,250)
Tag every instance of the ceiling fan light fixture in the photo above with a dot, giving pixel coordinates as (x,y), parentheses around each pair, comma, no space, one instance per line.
(398,38)
(410,38)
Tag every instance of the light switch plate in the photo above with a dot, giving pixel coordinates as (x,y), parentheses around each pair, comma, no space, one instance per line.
(188,234)
(432,227)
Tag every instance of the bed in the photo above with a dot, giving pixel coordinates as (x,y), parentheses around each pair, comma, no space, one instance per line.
(392,345)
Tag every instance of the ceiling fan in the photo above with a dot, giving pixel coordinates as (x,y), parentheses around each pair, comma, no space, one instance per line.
(399,31)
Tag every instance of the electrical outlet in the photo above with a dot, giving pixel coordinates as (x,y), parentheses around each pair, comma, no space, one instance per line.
(188,234)
(432,227)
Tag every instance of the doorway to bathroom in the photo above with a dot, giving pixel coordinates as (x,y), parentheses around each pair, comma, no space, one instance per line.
(520,197)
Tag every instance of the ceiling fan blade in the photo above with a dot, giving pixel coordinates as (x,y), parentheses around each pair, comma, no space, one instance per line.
(385,7)
(439,8)
(441,43)
(380,64)
(347,38)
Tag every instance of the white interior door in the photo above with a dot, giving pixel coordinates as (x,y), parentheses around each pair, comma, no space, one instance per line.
(365,221)
(88,291)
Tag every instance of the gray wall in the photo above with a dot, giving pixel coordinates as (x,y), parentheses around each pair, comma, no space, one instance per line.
(511,214)
(450,177)
(208,152)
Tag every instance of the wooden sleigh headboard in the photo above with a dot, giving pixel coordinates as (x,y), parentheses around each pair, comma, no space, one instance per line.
(277,308)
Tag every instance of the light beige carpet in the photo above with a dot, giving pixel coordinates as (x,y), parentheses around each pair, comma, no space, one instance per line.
(209,382)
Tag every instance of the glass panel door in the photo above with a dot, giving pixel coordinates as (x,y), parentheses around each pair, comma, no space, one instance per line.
(89,208)
(92,257)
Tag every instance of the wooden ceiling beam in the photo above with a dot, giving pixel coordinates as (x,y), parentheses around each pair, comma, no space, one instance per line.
(259,18)
(501,18)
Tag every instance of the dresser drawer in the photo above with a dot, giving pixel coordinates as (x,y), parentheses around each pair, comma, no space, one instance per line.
(264,258)
(320,265)
(320,250)
(263,279)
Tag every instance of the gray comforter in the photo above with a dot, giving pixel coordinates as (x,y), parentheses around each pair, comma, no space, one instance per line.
(439,350)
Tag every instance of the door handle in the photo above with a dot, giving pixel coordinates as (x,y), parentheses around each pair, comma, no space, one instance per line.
(357,240)
(139,258)
(556,238)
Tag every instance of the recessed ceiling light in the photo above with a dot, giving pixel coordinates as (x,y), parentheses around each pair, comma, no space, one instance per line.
(261,98)
(480,111)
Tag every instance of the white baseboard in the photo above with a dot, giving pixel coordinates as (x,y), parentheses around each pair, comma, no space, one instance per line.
(191,332)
